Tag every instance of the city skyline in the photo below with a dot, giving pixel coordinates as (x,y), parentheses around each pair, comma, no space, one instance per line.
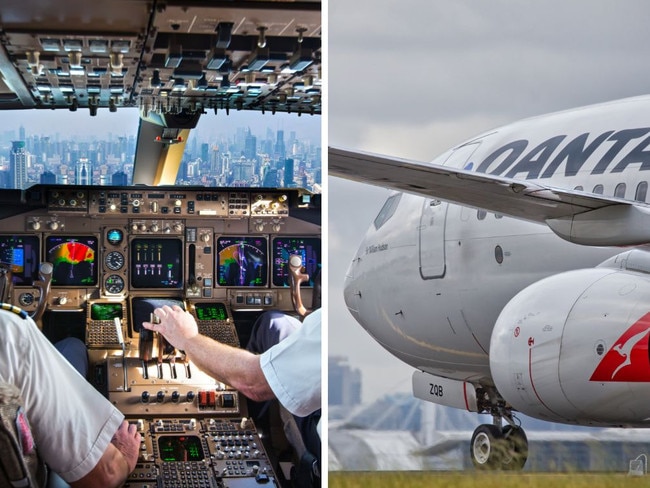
(250,151)
(125,121)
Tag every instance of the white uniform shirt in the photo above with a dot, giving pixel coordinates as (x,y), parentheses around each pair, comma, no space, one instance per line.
(293,368)
(72,423)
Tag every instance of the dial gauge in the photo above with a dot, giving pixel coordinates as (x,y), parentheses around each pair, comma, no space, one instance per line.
(114,260)
(26,299)
(114,284)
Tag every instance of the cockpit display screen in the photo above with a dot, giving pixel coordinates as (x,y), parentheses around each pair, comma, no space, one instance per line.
(74,259)
(211,311)
(242,261)
(105,311)
(156,263)
(21,254)
(180,448)
(308,248)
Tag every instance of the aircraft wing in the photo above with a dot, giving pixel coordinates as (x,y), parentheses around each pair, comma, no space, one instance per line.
(580,217)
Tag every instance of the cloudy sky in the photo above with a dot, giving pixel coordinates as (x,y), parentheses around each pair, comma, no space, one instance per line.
(413,78)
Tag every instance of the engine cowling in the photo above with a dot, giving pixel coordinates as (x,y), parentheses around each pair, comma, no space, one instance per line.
(573,348)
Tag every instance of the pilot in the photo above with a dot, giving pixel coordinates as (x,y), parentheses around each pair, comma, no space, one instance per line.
(79,434)
(289,371)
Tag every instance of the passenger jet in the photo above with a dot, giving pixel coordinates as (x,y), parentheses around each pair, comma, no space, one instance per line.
(512,272)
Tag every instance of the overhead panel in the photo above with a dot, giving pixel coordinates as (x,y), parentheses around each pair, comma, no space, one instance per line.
(163,57)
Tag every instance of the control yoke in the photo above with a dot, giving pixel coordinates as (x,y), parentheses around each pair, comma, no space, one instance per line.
(43,285)
(6,283)
(296,277)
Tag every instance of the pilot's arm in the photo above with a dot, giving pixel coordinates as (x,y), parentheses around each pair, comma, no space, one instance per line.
(288,371)
(236,367)
(79,434)
(117,462)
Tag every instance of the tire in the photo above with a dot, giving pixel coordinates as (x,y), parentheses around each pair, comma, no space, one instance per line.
(487,447)
(516,448)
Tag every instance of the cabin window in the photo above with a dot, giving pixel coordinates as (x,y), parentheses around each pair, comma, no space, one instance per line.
(481,214)
(579,188)
(498,216)
(598,189)
(387,210)
(619,191)
(641,191)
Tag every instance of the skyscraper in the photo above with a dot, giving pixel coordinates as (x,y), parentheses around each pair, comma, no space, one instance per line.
(279,150)
(344,382)
(83,172)
(250,146)
(18,165)
(288,173)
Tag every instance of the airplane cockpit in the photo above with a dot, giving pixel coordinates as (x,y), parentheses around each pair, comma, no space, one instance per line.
(93,261)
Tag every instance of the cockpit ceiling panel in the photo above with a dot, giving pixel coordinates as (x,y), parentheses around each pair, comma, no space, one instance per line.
(165,57)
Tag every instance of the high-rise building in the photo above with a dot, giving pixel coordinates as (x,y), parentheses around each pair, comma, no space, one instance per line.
(288,173)
(270,178)
(344,383)
(83,172)
(48,178)
(250,146)
(279,150)
(120,179)
(18,165)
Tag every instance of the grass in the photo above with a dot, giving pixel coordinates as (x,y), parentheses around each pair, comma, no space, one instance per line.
(435,479)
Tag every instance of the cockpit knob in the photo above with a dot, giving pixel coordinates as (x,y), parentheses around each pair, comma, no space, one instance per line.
(35,225)
(54,225)
(155,227)
(145,397)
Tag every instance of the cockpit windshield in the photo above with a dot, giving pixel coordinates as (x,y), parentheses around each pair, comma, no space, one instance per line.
(239,149)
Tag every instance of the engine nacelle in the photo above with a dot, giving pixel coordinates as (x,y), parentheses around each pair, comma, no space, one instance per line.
(573,348)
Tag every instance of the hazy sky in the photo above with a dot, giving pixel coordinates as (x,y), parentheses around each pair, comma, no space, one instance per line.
(413,78)
(125,121)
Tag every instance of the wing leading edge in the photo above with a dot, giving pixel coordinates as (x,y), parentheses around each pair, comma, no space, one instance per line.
(579,217)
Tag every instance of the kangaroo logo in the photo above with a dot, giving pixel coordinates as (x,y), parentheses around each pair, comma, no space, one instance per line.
(627,359)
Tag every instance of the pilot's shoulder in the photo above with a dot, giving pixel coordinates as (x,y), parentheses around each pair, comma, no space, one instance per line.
(16,310)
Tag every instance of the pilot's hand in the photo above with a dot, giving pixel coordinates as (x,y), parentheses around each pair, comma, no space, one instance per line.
(175,324)
(127,440)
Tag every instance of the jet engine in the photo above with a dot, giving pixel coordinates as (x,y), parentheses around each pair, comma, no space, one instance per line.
(573,347)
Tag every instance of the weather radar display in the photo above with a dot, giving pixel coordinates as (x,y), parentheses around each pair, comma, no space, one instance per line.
(73,259)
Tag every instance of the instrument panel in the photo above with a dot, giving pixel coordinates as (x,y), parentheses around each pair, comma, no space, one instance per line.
(230,245)
(94,262)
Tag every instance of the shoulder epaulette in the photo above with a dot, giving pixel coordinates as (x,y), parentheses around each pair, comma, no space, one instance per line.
(14,309)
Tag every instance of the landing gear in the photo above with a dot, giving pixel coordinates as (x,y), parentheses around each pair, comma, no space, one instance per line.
(496,448)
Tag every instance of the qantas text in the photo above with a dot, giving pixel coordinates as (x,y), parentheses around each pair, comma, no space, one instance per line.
(611,151)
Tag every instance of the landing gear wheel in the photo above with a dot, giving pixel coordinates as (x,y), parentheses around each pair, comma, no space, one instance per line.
(516,448)
(486,447)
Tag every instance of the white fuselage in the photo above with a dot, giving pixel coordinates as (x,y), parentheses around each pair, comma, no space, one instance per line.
(429,282)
